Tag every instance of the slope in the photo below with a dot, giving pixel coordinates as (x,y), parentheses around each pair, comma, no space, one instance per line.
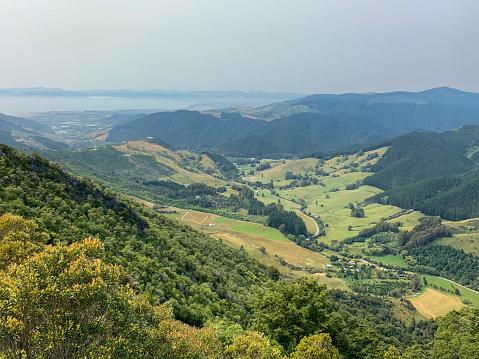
(186,129)
(132,166)
(306,132)
(431,172)
(199,276)
(22,132)
(439,109)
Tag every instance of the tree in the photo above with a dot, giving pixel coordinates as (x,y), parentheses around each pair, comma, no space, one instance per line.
(19,239)
(273,273)
(457,335)
(64,302)
(392,353)
(286,312)
(252,345)
(317,346)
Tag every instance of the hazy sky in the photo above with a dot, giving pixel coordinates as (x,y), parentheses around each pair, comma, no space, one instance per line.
(306,46)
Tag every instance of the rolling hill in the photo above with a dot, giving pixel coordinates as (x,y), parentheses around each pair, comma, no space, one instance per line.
(184,129)
(131,166)
(313,123)
(440,109)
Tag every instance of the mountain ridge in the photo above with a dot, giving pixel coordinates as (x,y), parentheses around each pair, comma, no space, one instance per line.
(314,123)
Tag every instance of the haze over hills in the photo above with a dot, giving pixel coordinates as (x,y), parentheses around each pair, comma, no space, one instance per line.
(313,123)
(26,133)
(439,109)
(40,99)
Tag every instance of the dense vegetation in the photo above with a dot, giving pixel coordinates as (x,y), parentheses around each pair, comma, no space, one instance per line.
(225,166)
(65,302)
(431,173)
(447,262)
(199,278)
(418,156)
(450,197)
(89,310)
(198,275)
(287,222)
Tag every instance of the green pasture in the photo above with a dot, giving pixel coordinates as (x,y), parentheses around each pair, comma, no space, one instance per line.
(248,228)
(467,242)
(390,259)
(273,233)
(278,171)
(223,220)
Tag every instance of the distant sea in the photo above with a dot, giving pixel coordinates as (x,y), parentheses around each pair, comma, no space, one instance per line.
(11,105)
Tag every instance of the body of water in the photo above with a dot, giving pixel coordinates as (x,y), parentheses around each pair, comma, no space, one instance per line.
(23,105)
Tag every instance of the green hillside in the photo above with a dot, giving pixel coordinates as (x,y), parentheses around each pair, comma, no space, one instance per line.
(418,156)
(306,133)
(185,129)
(199,276)
(430,172)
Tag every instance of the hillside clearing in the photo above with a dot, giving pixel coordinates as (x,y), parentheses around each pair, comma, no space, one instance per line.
(433,304)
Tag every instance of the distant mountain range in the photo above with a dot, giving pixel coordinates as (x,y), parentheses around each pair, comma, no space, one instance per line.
(312,123)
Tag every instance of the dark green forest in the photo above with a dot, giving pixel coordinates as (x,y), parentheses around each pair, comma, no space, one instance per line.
(431,173)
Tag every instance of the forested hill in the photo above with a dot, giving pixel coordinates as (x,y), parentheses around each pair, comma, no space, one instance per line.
(238,135)
(430,172)
(313,123)
(199,276)
(306,132)
(439,109)
(185,129)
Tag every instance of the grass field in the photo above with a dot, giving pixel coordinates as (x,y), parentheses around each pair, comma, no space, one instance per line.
(253,237)
(393,260)
(198,217)
(465,293)
(433,303)
(223,220)
(273,233)
(248,228)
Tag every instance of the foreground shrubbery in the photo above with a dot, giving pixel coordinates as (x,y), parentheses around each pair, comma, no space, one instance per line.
(64,301)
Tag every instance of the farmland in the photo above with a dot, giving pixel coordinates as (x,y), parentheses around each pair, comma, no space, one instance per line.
(337,188)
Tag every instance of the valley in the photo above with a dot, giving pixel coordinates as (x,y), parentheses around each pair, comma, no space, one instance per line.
(389,225)
(338,188)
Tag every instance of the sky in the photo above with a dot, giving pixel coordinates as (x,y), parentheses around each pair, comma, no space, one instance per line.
(301,46)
